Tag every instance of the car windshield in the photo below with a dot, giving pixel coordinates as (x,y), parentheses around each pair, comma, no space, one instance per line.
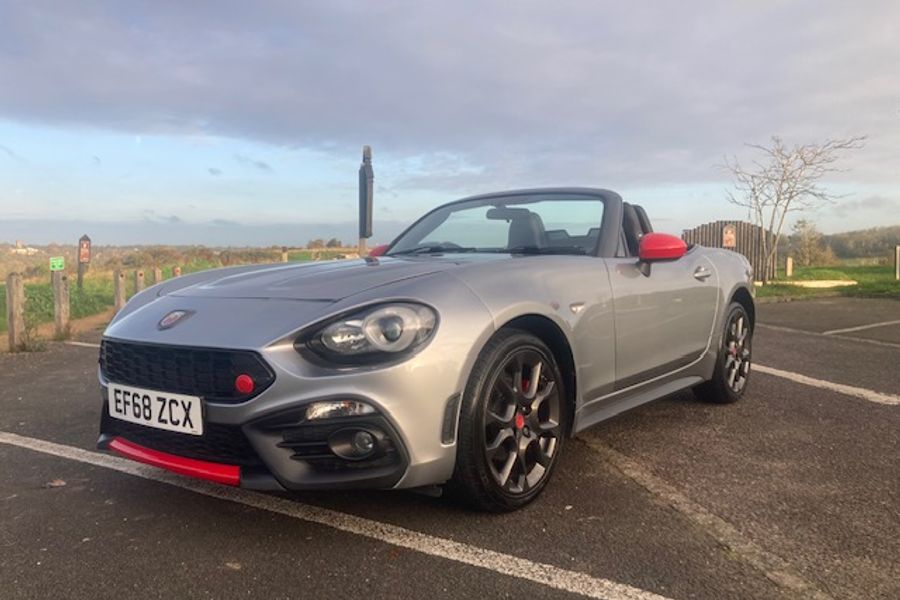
(525,224)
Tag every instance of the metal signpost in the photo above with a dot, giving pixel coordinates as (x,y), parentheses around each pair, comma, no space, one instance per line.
(366,186)
(84,257)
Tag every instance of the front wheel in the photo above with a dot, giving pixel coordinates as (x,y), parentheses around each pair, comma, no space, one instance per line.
(729,380)
(512,423)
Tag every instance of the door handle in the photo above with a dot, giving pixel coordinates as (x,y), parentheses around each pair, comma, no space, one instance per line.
(702,273)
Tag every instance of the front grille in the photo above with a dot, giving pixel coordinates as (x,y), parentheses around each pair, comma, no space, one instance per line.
(225,444)
(205,372)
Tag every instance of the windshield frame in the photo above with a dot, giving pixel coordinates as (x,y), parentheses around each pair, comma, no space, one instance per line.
(607,240)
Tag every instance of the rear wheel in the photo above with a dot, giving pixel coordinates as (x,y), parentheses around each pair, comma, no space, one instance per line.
(512,423)
(729,380)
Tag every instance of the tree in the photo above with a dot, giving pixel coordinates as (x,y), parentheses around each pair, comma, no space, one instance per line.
(785,179)
(334,243)
(808,245)
(316,243)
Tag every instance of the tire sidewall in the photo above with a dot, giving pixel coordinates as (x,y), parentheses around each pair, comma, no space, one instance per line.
(728,394)
(471,460)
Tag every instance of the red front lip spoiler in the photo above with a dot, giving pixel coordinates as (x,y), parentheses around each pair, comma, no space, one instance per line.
(226,474)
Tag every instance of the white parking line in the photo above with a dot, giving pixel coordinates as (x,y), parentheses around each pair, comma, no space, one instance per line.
(861,327)
(840,337)
(849,390)
(771,565)
(497,562)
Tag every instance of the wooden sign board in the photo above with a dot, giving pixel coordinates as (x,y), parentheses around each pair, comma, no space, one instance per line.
(84,250)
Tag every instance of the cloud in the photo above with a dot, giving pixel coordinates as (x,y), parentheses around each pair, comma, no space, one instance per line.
(552,93)
(847,207)
(246,160)
(215,172)
(151,216)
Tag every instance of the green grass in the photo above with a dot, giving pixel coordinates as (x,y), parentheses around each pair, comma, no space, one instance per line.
(873,282)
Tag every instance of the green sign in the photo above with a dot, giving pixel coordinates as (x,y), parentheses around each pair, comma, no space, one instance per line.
(57,263)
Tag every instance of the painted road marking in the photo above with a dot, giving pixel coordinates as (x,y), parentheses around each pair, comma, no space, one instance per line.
(497,562)
(840,337)
(849,390)
(861,327)
(775,568)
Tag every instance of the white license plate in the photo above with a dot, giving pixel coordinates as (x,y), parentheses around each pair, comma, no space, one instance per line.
(162,410)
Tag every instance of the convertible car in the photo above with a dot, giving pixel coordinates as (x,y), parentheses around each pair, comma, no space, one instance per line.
(461,356)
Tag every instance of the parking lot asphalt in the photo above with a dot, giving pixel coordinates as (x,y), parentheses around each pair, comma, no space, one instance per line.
(792,492)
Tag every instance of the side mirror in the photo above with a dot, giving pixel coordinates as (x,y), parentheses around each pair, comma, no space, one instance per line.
(657,247)
(661,246)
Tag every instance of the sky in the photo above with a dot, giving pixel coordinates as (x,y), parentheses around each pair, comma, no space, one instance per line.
(239,123)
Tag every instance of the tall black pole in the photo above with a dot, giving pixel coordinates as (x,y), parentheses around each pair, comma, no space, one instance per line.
(366,187)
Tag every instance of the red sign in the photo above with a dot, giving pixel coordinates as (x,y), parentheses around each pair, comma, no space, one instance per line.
(84,249)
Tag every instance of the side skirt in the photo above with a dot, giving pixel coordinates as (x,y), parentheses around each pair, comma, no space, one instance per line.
(608,407)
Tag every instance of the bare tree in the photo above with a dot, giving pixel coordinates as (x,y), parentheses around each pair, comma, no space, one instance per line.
(783,180)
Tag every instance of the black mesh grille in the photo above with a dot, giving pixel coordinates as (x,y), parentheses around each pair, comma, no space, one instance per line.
(219,443)
(205,372)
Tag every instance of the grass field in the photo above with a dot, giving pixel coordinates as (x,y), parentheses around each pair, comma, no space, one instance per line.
(873,282)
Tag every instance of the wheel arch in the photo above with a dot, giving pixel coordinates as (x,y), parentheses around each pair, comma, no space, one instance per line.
(555,338)
(743,297)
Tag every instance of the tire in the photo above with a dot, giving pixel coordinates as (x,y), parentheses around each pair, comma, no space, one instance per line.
(510,432)
(732,372)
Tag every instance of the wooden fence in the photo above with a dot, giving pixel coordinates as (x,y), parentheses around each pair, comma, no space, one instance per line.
(739,236)
(17,332)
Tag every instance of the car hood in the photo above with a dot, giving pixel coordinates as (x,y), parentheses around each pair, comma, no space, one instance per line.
(331,280)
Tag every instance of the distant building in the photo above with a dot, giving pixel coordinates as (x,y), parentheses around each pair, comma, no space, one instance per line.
(22,250)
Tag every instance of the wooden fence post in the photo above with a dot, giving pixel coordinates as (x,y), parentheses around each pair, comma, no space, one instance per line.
(157,275)
(176,272)
(61,304)
(119,287)
(138,281)
(897,262)
(15,311)
(789,267)
(284,254)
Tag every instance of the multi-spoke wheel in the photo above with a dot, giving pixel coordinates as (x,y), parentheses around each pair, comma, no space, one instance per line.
(512,423)
(729,380)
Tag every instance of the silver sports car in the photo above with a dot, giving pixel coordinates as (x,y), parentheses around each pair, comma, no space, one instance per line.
(463,354)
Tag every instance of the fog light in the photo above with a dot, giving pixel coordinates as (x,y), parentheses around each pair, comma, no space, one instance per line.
(363,443)
(334,409)
(354,443)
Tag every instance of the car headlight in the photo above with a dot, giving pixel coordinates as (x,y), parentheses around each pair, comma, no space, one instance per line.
(374,334)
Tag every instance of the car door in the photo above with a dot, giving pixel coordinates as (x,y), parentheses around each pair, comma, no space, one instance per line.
(664,318)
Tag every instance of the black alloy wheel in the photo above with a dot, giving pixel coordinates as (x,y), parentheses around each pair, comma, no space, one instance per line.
(729,381)
(512,423)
